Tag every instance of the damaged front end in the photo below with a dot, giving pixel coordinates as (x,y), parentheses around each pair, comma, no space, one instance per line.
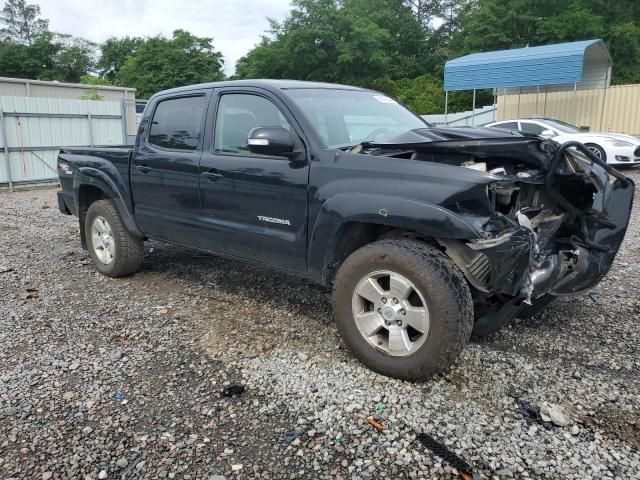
(549,222)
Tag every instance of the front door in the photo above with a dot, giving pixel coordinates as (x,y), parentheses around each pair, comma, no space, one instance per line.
(253,206)
(165,168)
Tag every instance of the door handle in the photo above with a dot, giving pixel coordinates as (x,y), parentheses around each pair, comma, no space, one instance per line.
(212,176)
(143,168)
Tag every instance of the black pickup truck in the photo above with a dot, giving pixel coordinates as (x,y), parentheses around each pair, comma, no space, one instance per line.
(426,235)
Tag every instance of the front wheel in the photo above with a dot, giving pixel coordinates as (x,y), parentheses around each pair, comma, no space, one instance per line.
(597,150)
(402,308)
(113,250)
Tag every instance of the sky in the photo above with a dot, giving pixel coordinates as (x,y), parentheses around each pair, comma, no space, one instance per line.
(235,25)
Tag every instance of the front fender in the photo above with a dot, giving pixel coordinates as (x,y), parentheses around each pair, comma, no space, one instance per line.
(396,212)
(99,179)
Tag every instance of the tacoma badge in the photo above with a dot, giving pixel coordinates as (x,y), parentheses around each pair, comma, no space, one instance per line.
(281,221)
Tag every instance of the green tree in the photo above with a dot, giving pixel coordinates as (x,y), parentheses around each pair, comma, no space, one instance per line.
(624,45)
(113,54)
(160,63)
(424,10)
(350,41)
(22,22)
(75,57)
(29,50)
(36,60)
(423,94)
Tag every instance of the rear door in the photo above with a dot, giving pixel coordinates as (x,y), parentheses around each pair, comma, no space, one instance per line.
(253,206)
(165,167)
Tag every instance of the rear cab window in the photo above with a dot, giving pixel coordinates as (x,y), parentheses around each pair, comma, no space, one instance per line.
(177,123)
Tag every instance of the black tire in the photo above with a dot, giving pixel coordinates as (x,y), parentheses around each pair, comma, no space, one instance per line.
(601,154)
(446,294)
(129,251)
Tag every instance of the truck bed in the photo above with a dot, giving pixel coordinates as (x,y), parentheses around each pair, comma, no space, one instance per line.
(112,162)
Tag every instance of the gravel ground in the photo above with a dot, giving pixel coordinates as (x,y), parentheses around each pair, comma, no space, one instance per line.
(104,378)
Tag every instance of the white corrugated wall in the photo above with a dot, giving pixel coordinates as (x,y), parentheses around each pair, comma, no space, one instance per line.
(35,128)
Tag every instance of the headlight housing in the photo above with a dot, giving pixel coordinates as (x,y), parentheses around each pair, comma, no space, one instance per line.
(618,143)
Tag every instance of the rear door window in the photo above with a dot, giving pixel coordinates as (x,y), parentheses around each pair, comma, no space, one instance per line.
(177,123)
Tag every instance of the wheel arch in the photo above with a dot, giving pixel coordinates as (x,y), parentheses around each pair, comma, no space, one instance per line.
(602,151)
(347,222)
(91,185)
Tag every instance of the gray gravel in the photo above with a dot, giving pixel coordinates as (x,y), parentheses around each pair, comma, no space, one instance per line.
(105,378)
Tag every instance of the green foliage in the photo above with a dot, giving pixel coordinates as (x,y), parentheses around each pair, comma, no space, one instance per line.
(29,50)
(349,41)
(93,82)
(91,94)
(33,60)
(624,47)
(423,94)
(74,57)
(159,63)
(21,22)
(114,52)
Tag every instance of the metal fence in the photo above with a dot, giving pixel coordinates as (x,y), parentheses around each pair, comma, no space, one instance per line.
(22,87)
(32,130)
(476,117)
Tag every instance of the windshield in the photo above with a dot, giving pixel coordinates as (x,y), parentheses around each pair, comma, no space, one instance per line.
(563,126)
(348,117)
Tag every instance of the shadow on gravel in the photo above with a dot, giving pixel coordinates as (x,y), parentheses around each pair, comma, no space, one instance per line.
(233,277)
(619,424)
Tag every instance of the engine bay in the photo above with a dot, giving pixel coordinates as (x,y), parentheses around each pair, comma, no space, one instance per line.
(550,219)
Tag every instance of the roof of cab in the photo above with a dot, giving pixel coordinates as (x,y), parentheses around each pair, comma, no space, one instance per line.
(262,83)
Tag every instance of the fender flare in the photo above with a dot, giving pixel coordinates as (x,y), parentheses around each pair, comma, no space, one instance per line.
(396,212)
(99,179)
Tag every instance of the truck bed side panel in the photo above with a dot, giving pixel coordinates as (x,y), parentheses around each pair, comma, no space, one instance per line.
(106,169)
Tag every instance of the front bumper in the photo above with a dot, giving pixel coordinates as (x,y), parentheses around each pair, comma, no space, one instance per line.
(617,205)
(517,272)
(559,252)
(624,156)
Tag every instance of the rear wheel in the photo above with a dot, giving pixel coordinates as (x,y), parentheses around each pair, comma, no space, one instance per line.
(402,308)
(113,250)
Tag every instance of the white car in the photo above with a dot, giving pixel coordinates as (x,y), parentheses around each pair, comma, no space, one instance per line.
(613,148)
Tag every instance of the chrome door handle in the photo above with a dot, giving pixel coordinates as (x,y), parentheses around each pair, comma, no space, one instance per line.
(212,176)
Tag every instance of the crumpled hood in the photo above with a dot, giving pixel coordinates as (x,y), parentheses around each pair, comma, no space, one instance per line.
(474,142)
(444,134)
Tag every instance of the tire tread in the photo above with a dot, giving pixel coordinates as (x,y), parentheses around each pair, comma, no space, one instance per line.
(129,250)
(444,276)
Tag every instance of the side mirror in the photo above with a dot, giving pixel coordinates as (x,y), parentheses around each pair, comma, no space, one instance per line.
(547,134)
(276,141)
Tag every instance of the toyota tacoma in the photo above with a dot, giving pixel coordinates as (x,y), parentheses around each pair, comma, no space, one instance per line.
(427,236)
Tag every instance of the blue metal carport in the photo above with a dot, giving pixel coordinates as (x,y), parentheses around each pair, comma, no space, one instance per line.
(577,65)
